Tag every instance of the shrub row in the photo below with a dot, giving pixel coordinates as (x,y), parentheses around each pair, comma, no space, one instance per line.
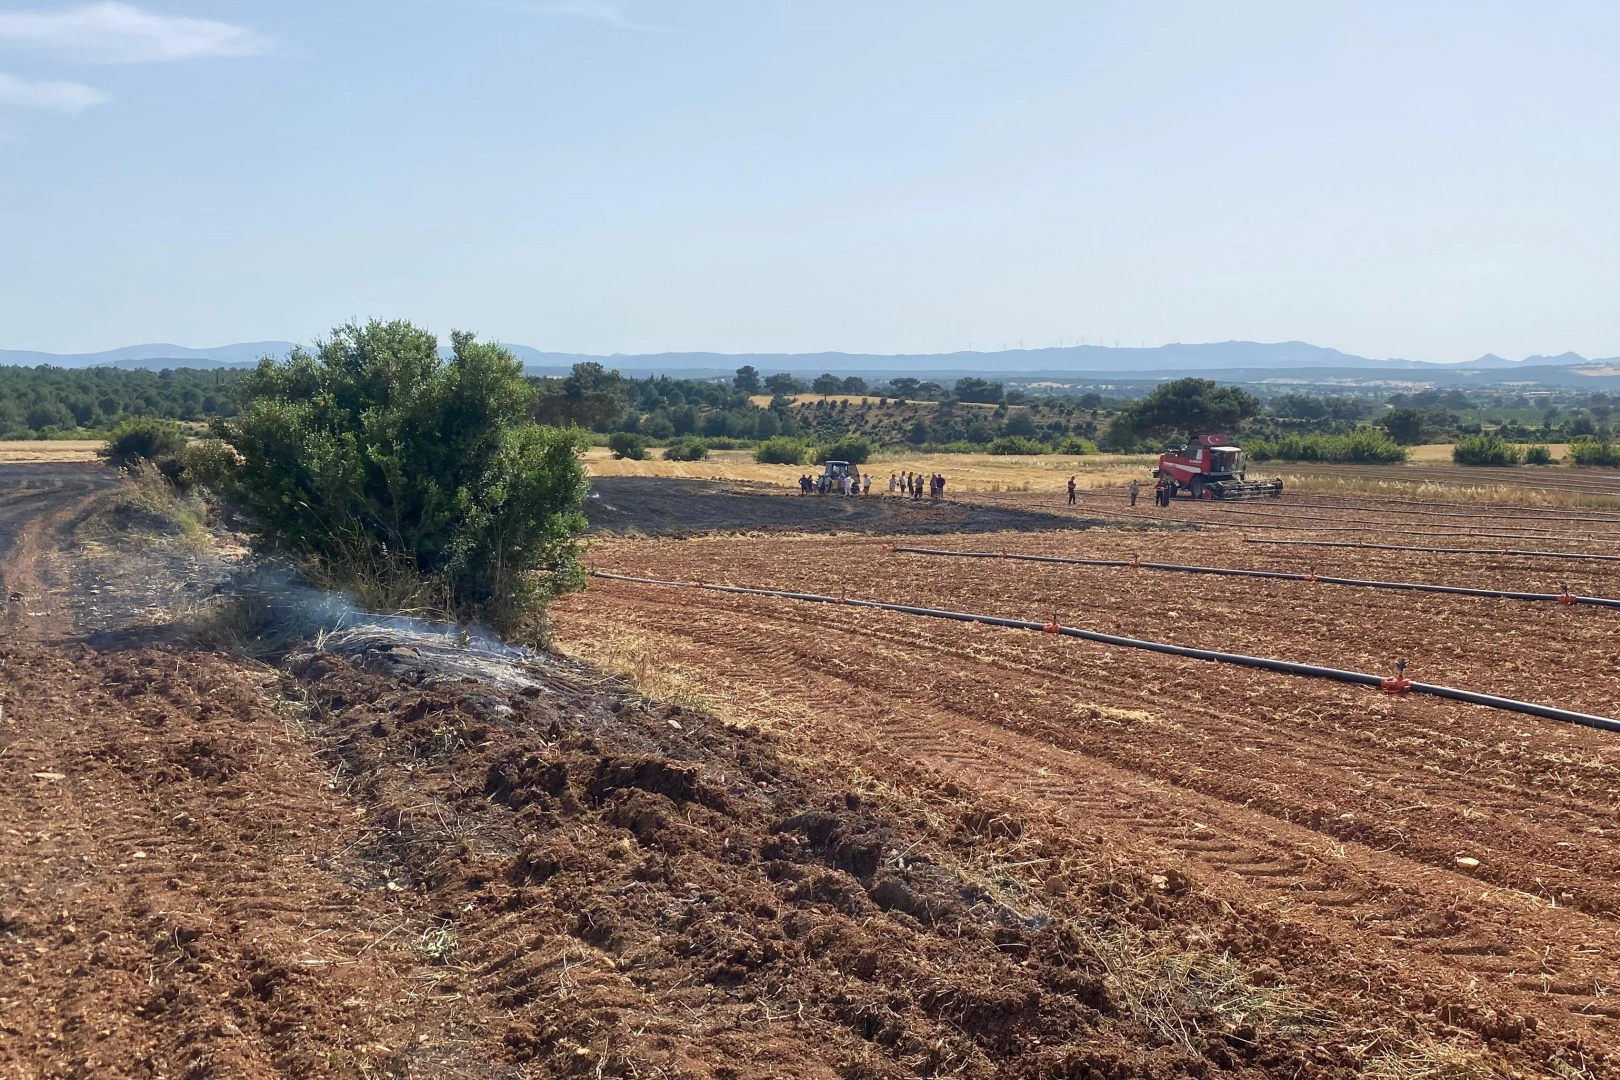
(1363,446)
(856,450)
(1486,450)
(1590,451)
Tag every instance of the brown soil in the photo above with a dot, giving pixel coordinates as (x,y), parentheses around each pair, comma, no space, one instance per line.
(1351,818)
(379,859)
(214,870)
(845,844)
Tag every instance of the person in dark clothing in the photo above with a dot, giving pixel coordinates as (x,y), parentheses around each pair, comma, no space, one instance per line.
(1071,491)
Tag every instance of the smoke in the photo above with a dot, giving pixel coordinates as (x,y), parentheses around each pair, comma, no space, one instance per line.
(273,607)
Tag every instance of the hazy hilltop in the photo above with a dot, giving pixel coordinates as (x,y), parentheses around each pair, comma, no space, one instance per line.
(158,355)
(1236,358)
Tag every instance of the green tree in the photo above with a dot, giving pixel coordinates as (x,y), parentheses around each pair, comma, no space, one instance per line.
(850,448)
(402,477)
(783,385)
(747,379)
(978,390)
(627,444)
(1486,450)
(827,384)
(1405,426)
(688,449)
(780,451)
(1187,407)
(591,395)
(1020,423)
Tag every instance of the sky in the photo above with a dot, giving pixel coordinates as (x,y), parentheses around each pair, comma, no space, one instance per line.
(1423,180)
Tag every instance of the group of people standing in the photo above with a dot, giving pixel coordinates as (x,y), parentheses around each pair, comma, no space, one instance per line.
(906,485)
(1161,492)
(911,485)
(847,485)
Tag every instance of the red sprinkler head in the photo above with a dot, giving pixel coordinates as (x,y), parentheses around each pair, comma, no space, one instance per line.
(1399,683)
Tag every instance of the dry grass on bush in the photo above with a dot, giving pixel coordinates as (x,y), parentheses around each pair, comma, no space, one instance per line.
(148,491)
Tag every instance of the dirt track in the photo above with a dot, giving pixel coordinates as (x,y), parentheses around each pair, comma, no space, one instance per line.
(38,501)
(1340,812)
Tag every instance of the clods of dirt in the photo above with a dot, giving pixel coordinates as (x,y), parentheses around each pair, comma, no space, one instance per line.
(336,869)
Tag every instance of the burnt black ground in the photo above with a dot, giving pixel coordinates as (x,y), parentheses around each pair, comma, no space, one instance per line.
(660,506)
(30,490)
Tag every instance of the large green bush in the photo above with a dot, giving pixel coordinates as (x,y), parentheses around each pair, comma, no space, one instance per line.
(1539,455)
(1076,446)
(409,480)
(147,439)
(780,450)
(1011,445)
(1486,450)
(625,444)
(1364,445)
(687,449)
(1590,451)
(850,448)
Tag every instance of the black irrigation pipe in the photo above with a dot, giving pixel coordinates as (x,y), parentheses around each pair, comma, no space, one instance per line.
(1396,530)
(1281,575)
(1406,528)
(1452,551)
(1398,684)
(1373,504)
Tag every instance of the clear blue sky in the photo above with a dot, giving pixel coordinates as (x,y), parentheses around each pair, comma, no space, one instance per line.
(1430,180)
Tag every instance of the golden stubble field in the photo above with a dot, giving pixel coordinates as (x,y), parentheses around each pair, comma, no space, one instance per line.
(1429,475)
(965,472)
(48,450)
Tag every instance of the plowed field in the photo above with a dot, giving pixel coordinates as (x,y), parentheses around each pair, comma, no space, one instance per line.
(1452,863)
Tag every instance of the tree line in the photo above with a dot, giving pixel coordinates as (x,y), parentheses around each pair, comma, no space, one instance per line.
(971,413)
(40,402)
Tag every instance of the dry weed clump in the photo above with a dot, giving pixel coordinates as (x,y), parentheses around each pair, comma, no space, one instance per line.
(388,582)
(148,491)
(1186,996)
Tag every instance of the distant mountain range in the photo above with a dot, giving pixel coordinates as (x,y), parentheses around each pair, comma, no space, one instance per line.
(1232,358)
(155,357)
